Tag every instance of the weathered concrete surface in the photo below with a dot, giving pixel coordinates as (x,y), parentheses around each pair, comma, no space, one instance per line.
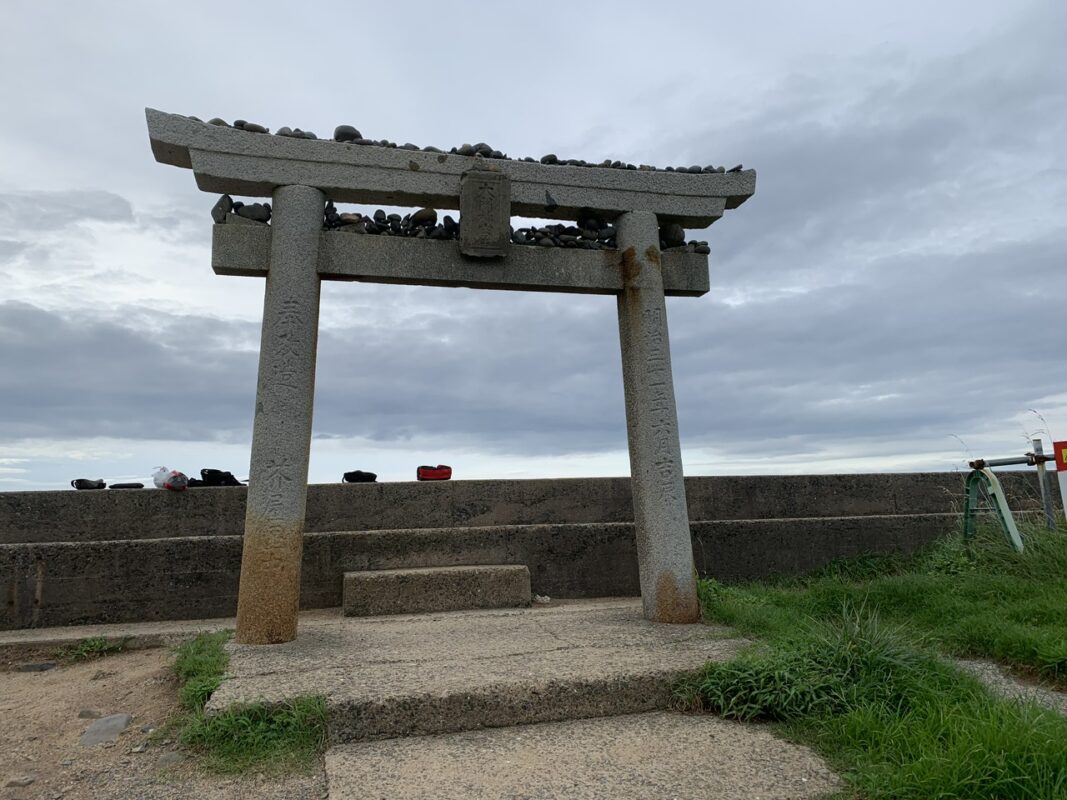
(269,593)
(196,577)
(485,208)
(661,517)
(413,675)
(119,581)
(234,162)
(70,516)
(243,250)
(420,590)
(743,550)
(31,643)
(650,756)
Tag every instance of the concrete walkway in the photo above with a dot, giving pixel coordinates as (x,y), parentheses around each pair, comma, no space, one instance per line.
(656,756)
(433,673)
(42,643)
(564,700)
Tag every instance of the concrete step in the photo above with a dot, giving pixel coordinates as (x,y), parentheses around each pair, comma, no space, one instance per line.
(423,590)
(384,677)
(638,757)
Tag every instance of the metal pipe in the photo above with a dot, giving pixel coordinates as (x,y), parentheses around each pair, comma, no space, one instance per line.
(1030,459)
(1004,462)
(1042,482)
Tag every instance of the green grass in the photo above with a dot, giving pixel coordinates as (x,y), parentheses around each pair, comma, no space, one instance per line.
(850,663)
(983,601)
(289,736)
(274,738)
(91,648)
(200,664)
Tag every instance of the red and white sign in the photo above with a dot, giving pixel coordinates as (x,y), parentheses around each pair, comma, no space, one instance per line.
(1059,449)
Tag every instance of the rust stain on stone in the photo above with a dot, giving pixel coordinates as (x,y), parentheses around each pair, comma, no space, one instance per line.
(652,254)
(630,266)
(269,593)
(674,605)
(413,166)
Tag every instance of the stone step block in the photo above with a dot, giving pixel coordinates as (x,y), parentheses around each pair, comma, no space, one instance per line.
(432,589)
(391,676)
(639,757)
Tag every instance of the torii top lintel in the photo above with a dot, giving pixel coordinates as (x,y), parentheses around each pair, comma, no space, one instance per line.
(231,161)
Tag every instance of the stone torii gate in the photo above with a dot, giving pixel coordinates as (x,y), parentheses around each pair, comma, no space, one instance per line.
(294,253)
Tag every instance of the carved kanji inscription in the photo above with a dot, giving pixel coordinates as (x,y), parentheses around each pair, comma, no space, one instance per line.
(485,211)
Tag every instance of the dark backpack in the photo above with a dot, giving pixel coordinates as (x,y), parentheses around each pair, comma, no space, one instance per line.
(217,477)
(359,476)
(87,483)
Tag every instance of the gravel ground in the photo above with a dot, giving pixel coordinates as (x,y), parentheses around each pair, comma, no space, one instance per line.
(1001,681)
(45,713)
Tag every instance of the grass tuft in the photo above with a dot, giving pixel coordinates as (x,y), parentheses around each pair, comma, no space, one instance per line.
(274,738)
(289,736)
(200,664)
(91,649)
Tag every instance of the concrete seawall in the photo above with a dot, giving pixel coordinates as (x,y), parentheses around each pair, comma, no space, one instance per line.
(78,557)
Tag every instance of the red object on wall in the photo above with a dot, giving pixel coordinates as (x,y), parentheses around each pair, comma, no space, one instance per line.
(1060,450)
(442,472)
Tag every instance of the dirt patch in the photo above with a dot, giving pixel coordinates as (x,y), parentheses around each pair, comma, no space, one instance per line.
(45,714)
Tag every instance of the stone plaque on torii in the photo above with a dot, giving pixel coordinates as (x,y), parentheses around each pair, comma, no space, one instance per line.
(294,253)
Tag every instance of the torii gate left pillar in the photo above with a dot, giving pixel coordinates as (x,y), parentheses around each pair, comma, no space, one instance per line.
(269,594)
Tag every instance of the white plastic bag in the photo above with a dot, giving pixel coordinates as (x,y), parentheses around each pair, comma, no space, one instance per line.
(170,479)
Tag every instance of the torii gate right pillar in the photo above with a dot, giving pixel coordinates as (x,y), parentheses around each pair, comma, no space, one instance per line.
(664,543)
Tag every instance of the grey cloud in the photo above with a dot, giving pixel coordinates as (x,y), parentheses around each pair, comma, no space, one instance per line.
(10,248)
(888,282)
(915,350)
(900,357)
(76,376)
(537,375)
(494,381)
(910,153)
(38,211)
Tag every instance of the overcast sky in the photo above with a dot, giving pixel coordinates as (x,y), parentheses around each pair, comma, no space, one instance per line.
(888,300)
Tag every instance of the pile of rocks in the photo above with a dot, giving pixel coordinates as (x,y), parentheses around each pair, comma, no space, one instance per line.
(422,224)
(592,236)
(226,208)
(672,237)
(607,163)
(591,233)
(347,134)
